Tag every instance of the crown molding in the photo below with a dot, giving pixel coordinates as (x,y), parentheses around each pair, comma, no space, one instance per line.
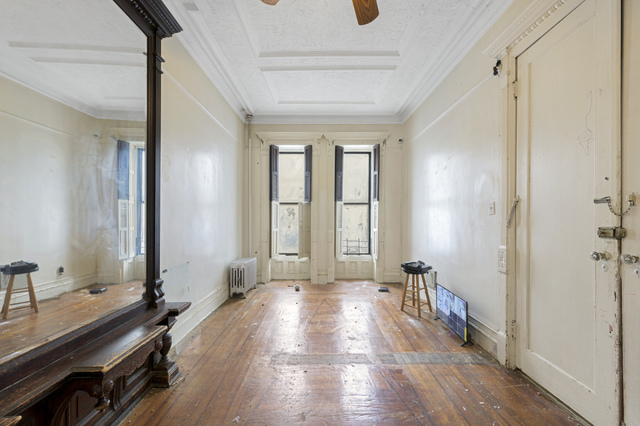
(203,48)
(32,82)
(346,138)
(475,24)
(529,26)
(151,16)
(325,119)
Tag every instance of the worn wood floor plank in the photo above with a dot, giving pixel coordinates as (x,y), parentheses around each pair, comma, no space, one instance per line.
(340,353)
(24,330)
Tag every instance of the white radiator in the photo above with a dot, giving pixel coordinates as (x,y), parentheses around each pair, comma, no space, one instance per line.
(242,276)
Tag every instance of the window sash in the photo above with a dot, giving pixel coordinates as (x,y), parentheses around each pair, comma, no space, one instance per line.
(280,230)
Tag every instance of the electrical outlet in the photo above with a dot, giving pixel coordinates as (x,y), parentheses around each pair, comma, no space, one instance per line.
(492,208)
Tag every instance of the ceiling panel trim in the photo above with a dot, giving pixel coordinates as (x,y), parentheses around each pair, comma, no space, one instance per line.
(77,47)
(313,68)
(373,99)
(86,61)
(326,119)
(242,17)
(330,54)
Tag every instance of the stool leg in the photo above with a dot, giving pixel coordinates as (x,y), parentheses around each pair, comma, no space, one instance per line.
(32,294)
(413,290)
(418,286)
(404,293)
(7,298)
(424,281)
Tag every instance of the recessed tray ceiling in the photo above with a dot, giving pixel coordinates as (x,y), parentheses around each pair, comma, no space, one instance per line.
(309,60)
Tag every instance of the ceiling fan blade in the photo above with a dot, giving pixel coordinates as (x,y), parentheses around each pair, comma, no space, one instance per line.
(366,11)
(270,2)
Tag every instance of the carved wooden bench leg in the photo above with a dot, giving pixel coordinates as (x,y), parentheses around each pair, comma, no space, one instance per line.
(165,371)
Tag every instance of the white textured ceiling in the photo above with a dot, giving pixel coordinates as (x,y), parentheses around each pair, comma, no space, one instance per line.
(309,61)
(301,61)
(84,53)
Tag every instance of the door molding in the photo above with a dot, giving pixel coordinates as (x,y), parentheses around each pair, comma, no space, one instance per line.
(534,22)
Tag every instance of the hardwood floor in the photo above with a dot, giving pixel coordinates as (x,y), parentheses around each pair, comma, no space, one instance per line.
(340,353)
(25,330)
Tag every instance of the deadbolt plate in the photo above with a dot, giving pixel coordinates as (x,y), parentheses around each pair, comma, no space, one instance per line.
(617,233)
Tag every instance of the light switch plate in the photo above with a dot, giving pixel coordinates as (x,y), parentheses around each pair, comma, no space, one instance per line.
(502,259)
(492,208)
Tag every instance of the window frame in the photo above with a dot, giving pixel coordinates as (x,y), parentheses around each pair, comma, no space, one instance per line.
(368,203)
(288,203)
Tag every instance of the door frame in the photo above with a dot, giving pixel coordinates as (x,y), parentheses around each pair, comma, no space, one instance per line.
(526,29)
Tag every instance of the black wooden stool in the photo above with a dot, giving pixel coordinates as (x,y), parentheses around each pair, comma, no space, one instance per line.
(415,289)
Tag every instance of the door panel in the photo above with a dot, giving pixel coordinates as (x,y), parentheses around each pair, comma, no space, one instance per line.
(566,156)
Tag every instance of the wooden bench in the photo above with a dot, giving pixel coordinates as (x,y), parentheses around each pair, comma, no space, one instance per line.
(98,380)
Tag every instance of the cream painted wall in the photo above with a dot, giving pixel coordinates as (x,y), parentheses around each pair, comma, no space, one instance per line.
(202,201)
(58,182)
(322,268)
(48,185)
(453,166)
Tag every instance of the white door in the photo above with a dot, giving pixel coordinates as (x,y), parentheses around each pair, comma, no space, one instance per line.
(568,148)
(630,272)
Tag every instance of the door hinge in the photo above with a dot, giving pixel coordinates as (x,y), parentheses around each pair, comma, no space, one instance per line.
(516,88)
(617,232)
(512,329)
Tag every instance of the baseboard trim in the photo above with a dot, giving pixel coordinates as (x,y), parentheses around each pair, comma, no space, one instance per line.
(392,276)
(52,289)
(488,339)
(492,341)
(197,313)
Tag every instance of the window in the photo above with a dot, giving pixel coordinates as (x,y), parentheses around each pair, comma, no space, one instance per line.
(131,200)
(291,194)
(357,203)
(356,187)
(290,200)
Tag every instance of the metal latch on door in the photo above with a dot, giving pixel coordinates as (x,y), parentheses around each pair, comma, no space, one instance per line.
(616,232)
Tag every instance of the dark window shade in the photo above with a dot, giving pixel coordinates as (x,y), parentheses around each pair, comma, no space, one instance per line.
(376,172)
(274,152)
(123,170)
(307,173)
(339,171)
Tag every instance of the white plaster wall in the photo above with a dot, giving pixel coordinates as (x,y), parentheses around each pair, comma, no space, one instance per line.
(202,201)
(49,201)
(453,168)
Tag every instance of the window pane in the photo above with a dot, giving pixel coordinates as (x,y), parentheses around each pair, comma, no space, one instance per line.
(288,229)
(356,229)
(356,178)
(291,177)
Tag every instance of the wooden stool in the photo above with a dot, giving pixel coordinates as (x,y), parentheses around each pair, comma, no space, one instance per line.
(19,305)
(415,291)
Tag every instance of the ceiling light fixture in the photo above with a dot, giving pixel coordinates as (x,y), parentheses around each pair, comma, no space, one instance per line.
(366,10)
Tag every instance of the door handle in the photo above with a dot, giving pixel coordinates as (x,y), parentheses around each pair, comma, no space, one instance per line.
(629,259)
(596,256)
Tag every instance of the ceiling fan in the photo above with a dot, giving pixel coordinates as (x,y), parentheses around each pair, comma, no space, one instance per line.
(366,10)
